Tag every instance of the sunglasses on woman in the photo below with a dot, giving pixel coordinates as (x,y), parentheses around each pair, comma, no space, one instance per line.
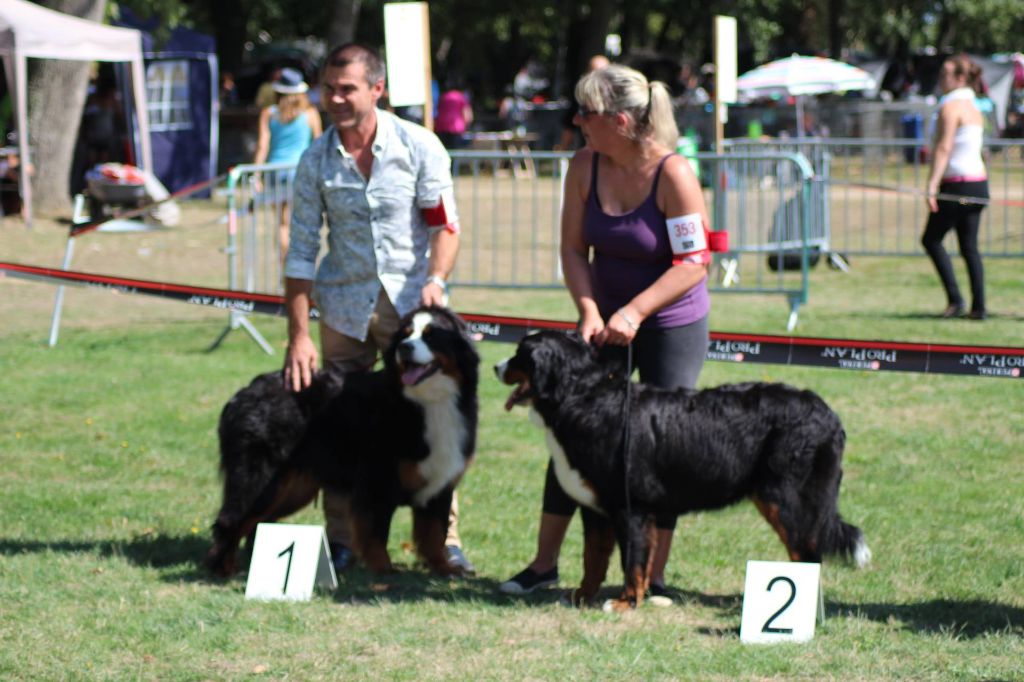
(585,113)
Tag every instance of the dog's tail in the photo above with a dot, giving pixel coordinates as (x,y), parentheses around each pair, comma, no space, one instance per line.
(846,540)
(837,537)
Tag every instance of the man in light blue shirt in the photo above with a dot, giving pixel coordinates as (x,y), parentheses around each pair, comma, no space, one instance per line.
(385,188)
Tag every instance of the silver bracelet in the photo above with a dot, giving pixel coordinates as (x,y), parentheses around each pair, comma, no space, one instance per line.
(632,325)
(439,281)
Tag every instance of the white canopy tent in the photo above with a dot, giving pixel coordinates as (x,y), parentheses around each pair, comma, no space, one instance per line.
(30,30)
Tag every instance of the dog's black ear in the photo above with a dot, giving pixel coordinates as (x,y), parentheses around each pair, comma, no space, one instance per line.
(575,336)
(554,368)
(390,361)
(543,376)
(459,323)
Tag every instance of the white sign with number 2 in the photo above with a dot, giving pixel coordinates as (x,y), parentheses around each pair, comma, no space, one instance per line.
(780,602)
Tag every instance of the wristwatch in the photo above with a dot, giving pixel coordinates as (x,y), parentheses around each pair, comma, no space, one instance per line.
(439,281)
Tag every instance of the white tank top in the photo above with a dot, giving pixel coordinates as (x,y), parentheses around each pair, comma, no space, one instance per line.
(965,159)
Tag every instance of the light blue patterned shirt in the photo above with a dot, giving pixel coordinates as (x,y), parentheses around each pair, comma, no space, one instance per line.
(376,235)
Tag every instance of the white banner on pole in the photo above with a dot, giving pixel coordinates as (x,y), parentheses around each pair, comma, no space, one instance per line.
(406,39)
(725,59)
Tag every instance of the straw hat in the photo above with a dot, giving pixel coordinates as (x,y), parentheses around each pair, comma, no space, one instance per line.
(290,83)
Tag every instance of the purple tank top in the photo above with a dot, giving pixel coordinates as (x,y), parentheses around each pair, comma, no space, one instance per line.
(631,252)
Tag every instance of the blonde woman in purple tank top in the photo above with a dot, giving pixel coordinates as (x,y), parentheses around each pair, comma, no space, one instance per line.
(634,253)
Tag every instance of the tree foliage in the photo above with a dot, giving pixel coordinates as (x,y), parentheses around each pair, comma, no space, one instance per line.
(487,42)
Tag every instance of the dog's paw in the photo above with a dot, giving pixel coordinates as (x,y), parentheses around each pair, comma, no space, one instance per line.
(574,599)
(380,568)
(219,564)
(617,606)
(443,569)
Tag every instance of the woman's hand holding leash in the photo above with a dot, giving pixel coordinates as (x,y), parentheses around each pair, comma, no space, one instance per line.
(621,328)
(590,327)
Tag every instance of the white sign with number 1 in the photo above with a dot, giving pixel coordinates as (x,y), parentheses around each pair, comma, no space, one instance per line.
(780,601)
(287,561)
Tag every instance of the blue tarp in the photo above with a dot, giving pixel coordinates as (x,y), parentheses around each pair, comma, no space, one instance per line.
(184,110)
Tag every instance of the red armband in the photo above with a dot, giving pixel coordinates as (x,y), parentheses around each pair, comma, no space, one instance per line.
(442,216)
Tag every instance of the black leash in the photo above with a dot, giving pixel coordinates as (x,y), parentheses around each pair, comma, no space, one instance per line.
(626,409)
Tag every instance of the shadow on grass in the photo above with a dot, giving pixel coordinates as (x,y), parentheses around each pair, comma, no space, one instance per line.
(930,316)
(181,557)
(157,551)
(966,619)
(184,554)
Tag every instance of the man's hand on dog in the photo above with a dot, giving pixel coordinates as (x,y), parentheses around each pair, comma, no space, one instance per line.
(300,364)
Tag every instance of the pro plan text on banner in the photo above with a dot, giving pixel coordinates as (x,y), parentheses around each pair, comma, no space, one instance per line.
(850,354)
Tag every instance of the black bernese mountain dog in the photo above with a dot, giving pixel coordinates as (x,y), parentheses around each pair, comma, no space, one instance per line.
(687,450)
(401,435)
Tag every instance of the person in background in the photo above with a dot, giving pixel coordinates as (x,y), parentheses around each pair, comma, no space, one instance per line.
(385,187)
(265,95)
(103,123)
(627,196)
(454,115)
(228,89)
(512,110)
(10,184)
(957,169)
(570,137)
(690,93)
(286,129)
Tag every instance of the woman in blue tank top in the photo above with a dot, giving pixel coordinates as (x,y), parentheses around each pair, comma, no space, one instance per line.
(635,255)
(285,130)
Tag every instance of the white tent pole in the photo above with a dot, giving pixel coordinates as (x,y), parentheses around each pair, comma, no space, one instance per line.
(799,116)
(142,111)
(21,97)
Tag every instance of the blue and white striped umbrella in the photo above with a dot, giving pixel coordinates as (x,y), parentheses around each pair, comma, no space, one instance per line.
(798,75)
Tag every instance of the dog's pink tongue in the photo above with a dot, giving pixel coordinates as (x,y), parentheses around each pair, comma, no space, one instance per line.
(413,374)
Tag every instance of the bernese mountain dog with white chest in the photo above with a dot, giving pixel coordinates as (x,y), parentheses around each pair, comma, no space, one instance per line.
(686,451)
(401,435)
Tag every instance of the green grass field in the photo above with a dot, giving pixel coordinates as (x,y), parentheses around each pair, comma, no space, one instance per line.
(109,485)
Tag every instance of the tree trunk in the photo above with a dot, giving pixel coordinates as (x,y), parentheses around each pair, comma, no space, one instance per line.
(229,21)
(600,19)
(343,22)
(56,94)
(836,9)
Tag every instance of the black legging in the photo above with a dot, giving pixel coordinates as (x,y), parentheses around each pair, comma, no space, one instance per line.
(669,358)
(966,219)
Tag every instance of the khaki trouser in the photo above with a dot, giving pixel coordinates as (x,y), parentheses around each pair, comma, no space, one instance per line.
(346,354)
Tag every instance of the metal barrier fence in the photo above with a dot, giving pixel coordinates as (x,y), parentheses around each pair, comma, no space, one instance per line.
(763,200)
(257,194)
(872,193)
(510,204)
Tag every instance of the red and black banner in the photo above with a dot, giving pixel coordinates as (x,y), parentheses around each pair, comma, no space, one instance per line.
(871,356)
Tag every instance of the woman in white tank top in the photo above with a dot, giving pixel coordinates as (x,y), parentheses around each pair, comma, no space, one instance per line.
(957,169)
